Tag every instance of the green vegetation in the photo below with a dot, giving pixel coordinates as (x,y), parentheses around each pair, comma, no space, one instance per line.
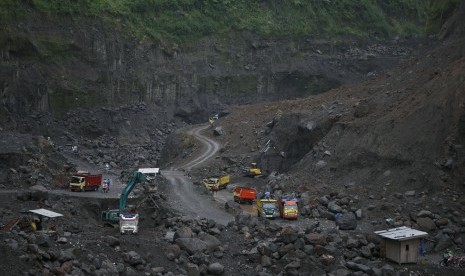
(55,49)
(63,100)
(439,11)
(187,141)
(187,20)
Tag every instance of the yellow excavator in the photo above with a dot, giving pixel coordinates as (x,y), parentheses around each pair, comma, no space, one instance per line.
(212,118)
(252,171)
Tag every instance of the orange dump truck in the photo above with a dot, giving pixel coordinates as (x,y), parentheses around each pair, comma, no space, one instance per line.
(244,194)
(288,207)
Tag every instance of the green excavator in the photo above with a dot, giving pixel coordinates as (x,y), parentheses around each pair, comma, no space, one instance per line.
(128,218)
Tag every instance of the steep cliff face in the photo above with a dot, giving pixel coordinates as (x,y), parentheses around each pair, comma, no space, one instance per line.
(51,66)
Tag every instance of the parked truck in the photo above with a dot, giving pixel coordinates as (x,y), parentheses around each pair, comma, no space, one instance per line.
(218,182)
(244,194)
(267,208)
(288,207)
(129,223)
(84,181)
(127,217)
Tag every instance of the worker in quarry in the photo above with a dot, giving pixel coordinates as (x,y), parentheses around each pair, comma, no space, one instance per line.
(50,142)
(74,149)
(105,186)
(214,189)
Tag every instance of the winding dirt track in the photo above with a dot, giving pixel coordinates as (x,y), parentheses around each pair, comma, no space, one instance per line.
(183,195)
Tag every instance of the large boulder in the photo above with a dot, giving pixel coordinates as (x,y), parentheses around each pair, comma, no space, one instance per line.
(133,258)
(232,207)
(192,245)
(443,241)
(218,131)
(111,241)
(346,221)
(172,252)
(183,232)
(242,218)
(212,242)
(426,224)
(316,239)
(289,234)
(215,269)
(334,207)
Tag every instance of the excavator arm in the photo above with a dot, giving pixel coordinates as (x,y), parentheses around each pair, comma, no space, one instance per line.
(135,178)
(113,215)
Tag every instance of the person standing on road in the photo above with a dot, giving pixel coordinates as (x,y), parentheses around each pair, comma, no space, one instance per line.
(105,186)
(214,189)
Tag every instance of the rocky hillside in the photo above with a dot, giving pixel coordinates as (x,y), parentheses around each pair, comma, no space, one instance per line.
(386,149)
(392,144)
(57,56)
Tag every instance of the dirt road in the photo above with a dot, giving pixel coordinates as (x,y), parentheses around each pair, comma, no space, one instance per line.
(188,199)
(183,195)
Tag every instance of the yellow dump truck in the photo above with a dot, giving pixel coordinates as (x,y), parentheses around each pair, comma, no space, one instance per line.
(267,208)
(218,182)
(288,207)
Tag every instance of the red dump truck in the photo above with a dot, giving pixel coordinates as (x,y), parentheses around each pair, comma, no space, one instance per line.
(84,181)
(288,207)
(244,194)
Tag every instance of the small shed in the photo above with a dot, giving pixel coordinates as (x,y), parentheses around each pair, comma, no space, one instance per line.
(402,244)
(44,219)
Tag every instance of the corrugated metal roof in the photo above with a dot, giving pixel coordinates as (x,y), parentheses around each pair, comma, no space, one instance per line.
(401,233)
(150,170)
(46,213)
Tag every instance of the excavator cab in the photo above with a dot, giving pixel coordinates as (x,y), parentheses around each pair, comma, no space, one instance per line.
(252,171)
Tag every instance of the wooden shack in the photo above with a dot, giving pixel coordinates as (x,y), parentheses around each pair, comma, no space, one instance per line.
(402,244)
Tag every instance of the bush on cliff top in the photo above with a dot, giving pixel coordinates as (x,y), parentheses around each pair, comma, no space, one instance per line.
(184,20)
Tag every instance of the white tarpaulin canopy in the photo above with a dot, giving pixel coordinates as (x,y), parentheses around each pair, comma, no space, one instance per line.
(150,170)
(46,213)
(401,233)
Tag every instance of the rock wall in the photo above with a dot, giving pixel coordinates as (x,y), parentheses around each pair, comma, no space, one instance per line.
(52,67)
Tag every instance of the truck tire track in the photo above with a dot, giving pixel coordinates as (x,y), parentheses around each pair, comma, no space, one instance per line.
(211,148)
(183,196)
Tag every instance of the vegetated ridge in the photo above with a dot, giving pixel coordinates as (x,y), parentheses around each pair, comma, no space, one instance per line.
(390,147)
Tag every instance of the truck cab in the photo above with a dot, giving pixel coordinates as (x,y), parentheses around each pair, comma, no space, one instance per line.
(220,182)
(84,181)
(267,208)
(128,223)
(288,209)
